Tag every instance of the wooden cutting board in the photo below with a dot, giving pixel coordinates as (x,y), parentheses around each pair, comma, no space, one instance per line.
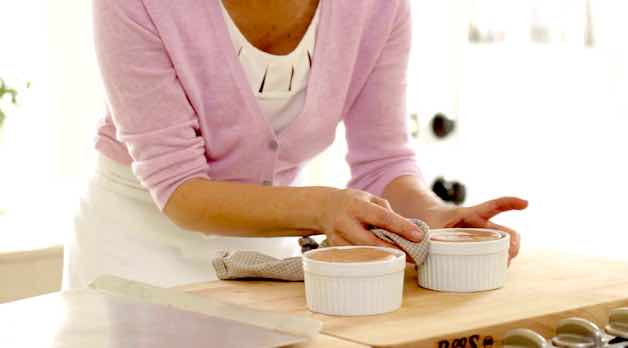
(542,288)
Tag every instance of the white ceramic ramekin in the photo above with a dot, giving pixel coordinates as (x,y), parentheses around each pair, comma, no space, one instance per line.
(355,288)
(467,266)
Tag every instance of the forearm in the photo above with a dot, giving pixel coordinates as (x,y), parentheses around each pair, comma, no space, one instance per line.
(245,210)
(410,197)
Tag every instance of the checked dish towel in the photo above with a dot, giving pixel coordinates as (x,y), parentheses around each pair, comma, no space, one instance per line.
(249,264)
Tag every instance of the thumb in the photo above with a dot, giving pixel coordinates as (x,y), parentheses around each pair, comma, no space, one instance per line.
(393,222)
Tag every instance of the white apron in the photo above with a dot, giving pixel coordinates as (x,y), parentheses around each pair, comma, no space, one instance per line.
(119,231)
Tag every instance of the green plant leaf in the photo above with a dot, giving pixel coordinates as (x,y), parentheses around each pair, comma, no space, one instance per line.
(13,94)
(4,89)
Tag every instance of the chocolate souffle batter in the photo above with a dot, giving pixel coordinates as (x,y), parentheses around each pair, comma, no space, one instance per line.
(466,236)
(357,254)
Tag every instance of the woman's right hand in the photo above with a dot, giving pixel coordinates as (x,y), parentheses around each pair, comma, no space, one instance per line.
(346,215)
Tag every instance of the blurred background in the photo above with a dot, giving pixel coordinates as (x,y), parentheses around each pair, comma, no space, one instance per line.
(506,97)
(527,98)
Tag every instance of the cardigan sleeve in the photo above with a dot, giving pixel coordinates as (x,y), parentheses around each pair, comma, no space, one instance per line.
(379,148)
(148,104)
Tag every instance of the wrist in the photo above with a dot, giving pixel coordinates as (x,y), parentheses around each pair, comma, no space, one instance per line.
(312,214)
(430,201)
(412,198)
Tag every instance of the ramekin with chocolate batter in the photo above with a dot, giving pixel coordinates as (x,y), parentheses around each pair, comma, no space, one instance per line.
(354,280)
(465,260)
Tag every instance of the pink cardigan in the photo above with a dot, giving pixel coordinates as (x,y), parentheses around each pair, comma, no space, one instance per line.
(179,105)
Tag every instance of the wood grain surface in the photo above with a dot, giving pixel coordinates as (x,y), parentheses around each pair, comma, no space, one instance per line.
(329,342)
(542,288)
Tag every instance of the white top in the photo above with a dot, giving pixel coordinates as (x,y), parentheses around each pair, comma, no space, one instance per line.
(278,81)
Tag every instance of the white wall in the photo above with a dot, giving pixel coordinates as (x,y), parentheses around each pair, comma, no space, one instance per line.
(46,148)
(79,103)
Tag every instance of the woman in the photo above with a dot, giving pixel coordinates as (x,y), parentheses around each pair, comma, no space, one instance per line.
(213,107)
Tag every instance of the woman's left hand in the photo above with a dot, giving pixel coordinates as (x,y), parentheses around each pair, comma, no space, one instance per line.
(479,216)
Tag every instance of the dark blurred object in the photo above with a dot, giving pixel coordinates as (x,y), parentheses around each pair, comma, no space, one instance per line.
(442,126)
(414,125)
(450,191)
(307,244)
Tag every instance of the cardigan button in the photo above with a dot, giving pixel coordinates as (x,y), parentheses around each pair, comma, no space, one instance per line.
(273,145)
